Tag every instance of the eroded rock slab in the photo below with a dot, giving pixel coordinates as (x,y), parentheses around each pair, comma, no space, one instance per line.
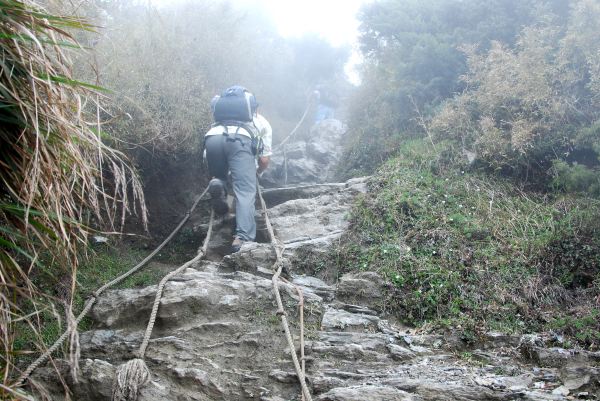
(368,392)
(311,159)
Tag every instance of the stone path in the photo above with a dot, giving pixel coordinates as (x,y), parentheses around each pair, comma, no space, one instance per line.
(217,336)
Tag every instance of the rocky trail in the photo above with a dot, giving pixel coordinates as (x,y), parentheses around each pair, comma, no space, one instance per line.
(217,336)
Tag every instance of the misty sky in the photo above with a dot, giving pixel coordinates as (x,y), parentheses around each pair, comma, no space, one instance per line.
(334,20)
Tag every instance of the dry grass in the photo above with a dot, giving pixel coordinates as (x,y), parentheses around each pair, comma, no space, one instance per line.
(527,104)
(57,177)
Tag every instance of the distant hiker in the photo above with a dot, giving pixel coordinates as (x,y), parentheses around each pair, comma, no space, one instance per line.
(238,142)
(326,103)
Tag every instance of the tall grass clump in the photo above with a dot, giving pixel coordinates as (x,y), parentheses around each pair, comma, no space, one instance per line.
(57,178)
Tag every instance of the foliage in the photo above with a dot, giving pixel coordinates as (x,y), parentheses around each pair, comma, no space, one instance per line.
(106,262)
(56,173)
(99,264)
(575,178)
(413,63)
(463,250)
(582,326)
(533,104)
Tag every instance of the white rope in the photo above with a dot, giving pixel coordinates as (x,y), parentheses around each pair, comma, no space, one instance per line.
(280,144)
(136,367)
(132,375)
(90,302)
(280,311)
(301,311)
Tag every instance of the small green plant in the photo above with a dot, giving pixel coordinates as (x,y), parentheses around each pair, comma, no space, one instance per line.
(273,320)
(106,264)
(585,328)
(466,355)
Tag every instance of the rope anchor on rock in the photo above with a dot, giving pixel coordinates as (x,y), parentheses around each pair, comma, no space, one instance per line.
(132,375)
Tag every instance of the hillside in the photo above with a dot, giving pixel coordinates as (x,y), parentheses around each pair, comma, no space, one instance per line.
(434,189)
(462,250)
(392,308)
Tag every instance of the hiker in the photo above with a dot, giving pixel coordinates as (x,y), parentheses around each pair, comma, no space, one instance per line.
(238,142)
(326,103)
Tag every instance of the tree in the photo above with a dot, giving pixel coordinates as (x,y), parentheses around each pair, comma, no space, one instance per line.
(532,104)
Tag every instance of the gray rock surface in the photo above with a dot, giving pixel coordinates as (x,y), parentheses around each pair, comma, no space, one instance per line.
(366,288)
(308,160)
(218,335)
(368,392)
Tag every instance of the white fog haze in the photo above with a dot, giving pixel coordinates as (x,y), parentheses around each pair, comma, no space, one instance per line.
(332,20)
(300,200)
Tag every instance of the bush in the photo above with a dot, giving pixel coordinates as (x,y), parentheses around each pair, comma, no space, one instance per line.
(413,64)
(530,105)
(57,176)
(575,178)
(459,249)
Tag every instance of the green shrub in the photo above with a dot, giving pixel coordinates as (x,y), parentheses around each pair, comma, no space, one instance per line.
(459,249)
(518,114)
(413,63)
(575,178)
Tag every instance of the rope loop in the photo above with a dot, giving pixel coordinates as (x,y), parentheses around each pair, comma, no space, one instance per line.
(96,294)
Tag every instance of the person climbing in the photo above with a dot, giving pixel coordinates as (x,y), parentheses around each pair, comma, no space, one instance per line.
(326,103)
(239,143)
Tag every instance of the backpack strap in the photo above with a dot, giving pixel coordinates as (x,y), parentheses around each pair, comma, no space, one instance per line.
(250,128)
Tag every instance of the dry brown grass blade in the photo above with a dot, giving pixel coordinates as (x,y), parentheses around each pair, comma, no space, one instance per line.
(54,169)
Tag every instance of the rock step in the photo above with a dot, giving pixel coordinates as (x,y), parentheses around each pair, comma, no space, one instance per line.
(277,196)
(433,379)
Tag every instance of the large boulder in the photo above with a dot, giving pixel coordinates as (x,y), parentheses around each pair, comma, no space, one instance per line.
(308,160)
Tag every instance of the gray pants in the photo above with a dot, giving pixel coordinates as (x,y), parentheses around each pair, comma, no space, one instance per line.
(233,153)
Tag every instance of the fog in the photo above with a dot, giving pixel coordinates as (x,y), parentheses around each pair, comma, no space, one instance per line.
(424,65)
(476,121)
(165,62)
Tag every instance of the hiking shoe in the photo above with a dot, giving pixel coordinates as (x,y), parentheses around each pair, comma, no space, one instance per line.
(236,245)
(218,194)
